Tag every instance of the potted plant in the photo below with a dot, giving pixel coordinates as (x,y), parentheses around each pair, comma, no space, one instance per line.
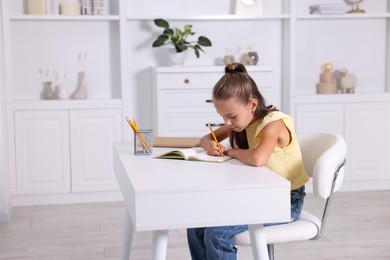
(177,38)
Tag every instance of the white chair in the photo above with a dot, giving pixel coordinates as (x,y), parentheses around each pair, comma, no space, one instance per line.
(324,159)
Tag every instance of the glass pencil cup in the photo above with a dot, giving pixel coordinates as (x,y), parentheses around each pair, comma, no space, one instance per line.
(143,142)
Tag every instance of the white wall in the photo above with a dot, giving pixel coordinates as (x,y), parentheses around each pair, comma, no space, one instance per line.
(225,41)
(4,187)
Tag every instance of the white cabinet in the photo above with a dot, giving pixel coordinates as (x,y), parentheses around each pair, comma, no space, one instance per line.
(42,151)
(62,151)
(183,98)
(365,126)
(93,133)
(318,118)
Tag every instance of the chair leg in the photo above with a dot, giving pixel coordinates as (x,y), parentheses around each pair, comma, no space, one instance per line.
(270,251)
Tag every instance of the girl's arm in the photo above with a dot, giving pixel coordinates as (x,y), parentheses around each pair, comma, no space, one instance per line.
(208,143)
(273,134)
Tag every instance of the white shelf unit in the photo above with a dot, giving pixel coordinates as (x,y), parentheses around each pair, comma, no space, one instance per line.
(120,56)
(227,17)
(82,131)
(64,17)
(360,43)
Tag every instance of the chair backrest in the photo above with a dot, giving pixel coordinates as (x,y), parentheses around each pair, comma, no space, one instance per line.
(324,156)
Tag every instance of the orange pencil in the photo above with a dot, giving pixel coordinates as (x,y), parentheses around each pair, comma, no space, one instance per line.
(133,126)
(215,139)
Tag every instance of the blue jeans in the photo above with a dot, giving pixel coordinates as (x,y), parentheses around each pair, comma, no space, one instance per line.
(217,243)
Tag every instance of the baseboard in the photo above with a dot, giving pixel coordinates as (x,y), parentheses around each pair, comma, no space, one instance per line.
(66,198)
(365,185)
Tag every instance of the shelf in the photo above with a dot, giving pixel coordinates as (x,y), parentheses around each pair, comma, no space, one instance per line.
(343,16)
(210,17)
(173,69)
(66,104)
(64,18)
(342,98)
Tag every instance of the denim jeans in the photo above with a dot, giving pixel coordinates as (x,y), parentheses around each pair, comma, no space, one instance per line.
(217,243)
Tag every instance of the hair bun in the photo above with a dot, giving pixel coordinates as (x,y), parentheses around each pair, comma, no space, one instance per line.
(235,67)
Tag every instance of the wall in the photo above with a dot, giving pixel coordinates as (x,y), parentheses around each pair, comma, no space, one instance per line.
(225,41)
(4,187)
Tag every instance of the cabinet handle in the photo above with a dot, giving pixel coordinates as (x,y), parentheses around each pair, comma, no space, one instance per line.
(213,124)
(209,101)
(186,81)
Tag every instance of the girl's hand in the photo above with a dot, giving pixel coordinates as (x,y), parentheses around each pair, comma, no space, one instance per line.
(231,152)
(213,149)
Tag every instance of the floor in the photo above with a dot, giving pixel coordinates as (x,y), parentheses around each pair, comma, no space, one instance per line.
(358,227)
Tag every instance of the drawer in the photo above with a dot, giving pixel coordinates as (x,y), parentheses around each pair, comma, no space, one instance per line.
(188,126)
(206,80)
(189,80)
(185,101)
(198,101)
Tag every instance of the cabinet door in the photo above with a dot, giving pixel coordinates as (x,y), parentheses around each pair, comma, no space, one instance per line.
(320,118)
(42,152)
(92,135)
(366,129)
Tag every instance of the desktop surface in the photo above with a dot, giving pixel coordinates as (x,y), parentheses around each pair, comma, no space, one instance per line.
(169,193)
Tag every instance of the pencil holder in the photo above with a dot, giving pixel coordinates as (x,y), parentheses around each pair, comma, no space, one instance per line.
(143,142)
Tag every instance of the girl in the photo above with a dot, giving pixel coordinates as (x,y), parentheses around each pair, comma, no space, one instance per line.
(260,136)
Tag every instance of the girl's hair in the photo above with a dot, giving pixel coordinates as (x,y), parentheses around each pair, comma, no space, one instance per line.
(238,84)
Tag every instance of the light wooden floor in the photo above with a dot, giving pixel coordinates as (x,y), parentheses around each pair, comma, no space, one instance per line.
(358,228)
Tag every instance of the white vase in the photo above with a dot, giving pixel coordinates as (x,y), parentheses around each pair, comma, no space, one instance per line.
(176,58)
(81,90)
(61,92)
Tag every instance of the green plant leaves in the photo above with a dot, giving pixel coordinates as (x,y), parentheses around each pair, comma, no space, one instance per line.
(160,40)
(161,23)
(204,41)
(178,38)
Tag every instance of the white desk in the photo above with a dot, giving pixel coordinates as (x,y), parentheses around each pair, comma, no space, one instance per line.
(162,194)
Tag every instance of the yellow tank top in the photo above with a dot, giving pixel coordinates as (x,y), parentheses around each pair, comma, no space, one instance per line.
(286,161)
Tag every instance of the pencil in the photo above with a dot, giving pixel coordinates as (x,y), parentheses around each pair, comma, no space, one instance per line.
(133,126)
(215,139)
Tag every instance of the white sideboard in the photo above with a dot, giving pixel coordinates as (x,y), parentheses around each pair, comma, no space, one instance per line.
(182,97)
(364,121)
(61,151)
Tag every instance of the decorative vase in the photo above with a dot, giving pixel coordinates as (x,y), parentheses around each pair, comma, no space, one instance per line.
(246,59)
(61,92)
(176,58)
(48,92)
(254,56)
(81,90)
(228,59)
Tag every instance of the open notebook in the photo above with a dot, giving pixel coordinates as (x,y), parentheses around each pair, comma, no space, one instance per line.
(192,154)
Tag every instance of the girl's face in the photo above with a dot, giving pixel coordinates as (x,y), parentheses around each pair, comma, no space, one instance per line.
(236,115)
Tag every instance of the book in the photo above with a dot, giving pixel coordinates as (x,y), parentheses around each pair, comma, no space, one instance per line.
(328,12)
(193,154)
(330,8)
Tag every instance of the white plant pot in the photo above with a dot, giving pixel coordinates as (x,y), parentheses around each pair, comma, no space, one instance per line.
(176,58)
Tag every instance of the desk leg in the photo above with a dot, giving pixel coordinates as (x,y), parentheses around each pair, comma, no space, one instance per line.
(127,238)
(259,245)
(160,243)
